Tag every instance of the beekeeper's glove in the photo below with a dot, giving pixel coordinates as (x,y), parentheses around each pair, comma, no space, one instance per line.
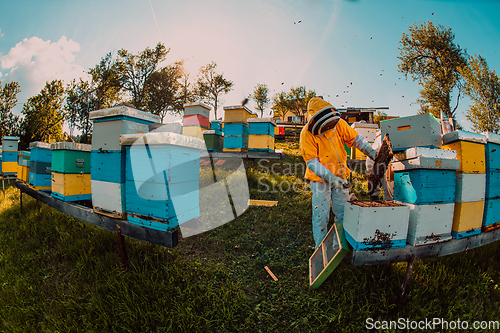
(321,171)
(362,144)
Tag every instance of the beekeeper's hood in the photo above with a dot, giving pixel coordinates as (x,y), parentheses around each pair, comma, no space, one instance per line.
(324,116)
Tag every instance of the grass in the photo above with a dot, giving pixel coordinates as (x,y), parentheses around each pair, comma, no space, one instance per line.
(58,274)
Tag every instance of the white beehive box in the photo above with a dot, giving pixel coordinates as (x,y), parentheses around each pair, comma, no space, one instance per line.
(470,187)
(415,152)
(367,130)
(381,227)
(430,223)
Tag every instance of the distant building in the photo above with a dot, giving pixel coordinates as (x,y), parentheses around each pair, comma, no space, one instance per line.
(350,115)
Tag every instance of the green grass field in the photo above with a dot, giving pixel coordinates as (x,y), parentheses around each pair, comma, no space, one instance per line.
(58,274)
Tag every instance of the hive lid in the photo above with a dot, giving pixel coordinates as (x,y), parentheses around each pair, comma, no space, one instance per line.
(123,110)
(425,152)
(463,136)
(11,138)
(237,107)
(492,137)
(359,124)
(187,105)
(162,138)
(261,120)
(39,144)
(70,146)
(23,153)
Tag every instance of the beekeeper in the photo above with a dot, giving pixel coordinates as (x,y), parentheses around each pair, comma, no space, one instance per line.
(388,186)
(322,147)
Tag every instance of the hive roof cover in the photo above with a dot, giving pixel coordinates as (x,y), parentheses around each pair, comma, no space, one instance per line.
(327,256)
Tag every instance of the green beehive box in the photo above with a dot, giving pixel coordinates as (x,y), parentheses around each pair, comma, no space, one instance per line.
(70,157)
(213,141)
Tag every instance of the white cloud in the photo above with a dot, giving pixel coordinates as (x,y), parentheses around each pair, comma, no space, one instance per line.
(34,61)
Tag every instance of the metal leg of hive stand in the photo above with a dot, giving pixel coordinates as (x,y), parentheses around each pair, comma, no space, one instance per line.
(121,242)
(406,278)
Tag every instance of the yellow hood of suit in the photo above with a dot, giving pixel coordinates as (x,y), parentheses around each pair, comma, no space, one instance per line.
(317,104)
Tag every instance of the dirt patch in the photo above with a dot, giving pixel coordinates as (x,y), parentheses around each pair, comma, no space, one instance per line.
(382,160)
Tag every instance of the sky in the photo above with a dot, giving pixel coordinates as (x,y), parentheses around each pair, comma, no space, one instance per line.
(345,50)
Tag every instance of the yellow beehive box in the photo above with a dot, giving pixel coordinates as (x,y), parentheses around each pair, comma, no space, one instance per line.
(470,150)
(236,114)
(358,155)
(19,172)
(194,131)
(261,142)
(467,219)
(71,186)
(9,167)
(25,174)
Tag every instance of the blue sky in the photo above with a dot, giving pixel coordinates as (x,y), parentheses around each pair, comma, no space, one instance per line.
(341,47)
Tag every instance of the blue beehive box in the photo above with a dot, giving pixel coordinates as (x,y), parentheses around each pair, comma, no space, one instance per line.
(40,166)
(492,184)
(425,186)
(236,129)
(491,214)
(261,126)
(215,125)
(161,179)
(235,142)
(492,151)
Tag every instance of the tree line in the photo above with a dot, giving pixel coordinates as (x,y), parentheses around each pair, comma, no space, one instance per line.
(428,54)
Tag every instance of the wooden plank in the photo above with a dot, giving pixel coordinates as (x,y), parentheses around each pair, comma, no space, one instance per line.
(167,238)
(424,251)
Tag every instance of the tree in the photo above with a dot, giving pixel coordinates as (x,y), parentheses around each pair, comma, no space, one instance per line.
(9,122)
(135,70)
(280,104)
(211,85)
(294,101)
(482,85)
(187,94)
(44,115)
(260,97)
(379,116)
(106,84)
(429,55)
(163,91)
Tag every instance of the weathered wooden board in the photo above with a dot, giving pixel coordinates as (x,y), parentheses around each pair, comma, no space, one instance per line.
(421,130)
(470,187)
(376,227)
(424,251)
(168,238)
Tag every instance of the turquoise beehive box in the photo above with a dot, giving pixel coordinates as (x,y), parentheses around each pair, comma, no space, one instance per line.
(40,166)
(161,178)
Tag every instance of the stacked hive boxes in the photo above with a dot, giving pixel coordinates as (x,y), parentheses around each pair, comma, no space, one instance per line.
(261,134)
(424,179)
(369,132)
(491,218)
(195,119)
(9,155)
(162,178)
(213,140)
(23,166)
(108,159)
(71,171)
(40,166)
(470,181)
(236,128)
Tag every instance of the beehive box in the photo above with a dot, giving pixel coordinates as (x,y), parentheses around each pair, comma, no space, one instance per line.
(40,166)
(213,140)
(430,223)
(470,187)
(194,131)
(492,190)
(196,120)
(197,108)
(236,129)
(71,171)
(376,227)
(236,114)
(416,152)
(357,154)
(10,143)
(168,127)
(421,130)
(10,156)
(492,151)
(426,163)
(235,143)
(107,166)
(263,143)
(425,187)
(9,168)
(23,166)
(261,126)
(71,187)
(467,219)
(111,122)
(162,179)
(470,150)
(367,130)
(491,214)
(215,125)
(108,198)
(70,157)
